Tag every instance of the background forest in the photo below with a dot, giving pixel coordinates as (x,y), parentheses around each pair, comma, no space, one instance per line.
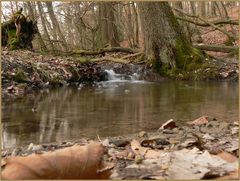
(154,84)
(64,26)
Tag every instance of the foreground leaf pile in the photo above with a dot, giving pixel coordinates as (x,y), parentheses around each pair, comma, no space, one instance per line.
(201,149)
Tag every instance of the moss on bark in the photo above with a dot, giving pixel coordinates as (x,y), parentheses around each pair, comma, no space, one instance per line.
(18,32)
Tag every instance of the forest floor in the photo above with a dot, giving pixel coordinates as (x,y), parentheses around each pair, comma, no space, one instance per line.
(24,72)
(205,148)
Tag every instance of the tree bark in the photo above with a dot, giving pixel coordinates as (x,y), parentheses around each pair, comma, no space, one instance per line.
(136,26)
(164,40)
(108,26)
(56,24)
(40,9)
(32,17)
(193,7)
(213,9)
(203,9)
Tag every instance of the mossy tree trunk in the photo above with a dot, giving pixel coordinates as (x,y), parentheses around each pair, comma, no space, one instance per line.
(164,40)
(18,32)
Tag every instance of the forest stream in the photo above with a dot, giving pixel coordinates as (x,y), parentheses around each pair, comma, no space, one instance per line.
(119,106)
(120,90)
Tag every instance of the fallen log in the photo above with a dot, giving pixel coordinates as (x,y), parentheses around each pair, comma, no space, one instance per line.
(102,51)
(218,48)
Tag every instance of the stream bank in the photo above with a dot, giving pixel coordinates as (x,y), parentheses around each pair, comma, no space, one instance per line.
(24,72)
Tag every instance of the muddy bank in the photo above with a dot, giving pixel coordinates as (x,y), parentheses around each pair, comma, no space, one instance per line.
(208,145)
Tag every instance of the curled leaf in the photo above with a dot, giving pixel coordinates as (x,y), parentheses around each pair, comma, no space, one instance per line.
(76,162)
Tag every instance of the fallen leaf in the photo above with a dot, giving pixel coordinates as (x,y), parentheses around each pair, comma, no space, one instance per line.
(137,148)
(170,124)
(231,175)
(190,164)
(200,121)
(227,157)
(76,162)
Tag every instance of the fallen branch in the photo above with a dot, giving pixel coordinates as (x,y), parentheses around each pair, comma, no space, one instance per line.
(216,22)
(132,55)
(103,51)
(217,48)
(108,58)
(231,36)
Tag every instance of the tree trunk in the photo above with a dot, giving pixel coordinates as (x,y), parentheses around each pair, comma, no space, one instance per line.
(38,35)
(213,9)
(40,9)
(108,26)
(56,25)
(136,26)
(193,7)
(129,28)
(164,41)
(203,9)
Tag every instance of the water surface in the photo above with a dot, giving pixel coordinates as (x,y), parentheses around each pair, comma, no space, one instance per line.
(113,108)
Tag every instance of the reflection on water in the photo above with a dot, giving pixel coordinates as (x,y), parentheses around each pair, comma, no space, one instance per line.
(113,109)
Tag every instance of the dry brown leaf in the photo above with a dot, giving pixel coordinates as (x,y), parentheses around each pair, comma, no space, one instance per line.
(232,175)
(200,121)
(153,154)
(227,157)
(170,124)
(76,162)
(137,148)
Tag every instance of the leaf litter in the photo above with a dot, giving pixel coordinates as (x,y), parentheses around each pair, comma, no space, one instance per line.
(189,152)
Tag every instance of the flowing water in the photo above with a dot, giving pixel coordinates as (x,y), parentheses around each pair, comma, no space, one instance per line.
(119,106)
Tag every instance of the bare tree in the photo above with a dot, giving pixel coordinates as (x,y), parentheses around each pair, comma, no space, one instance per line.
(56,25)
(46,34)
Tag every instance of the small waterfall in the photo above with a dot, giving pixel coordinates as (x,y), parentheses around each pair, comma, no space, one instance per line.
(112,76)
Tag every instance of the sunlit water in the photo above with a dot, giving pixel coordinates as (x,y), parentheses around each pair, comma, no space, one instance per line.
(112,108)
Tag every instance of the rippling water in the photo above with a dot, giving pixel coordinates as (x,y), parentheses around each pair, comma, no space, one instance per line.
(113,108)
